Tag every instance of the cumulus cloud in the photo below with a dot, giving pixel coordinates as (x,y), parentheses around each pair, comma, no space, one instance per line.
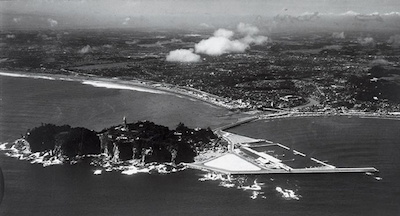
(205,25)
(223,33)
(52,22)
(85,49)
(349,13)
(222,42)
(183,55)
(394,40)
(126,21)
(338,35)
(306,17)
(247,29)
(367,41)
(369,17)
(393,13)
(347,21)
(257,40)
(220,45)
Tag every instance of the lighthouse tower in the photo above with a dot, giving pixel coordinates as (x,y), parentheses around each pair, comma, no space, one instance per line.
(124,122)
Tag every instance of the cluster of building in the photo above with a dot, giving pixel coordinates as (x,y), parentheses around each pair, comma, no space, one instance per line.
(282,74)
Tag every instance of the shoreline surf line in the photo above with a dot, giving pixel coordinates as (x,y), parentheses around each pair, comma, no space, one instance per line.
(116,83)
(133,85)
(165,88)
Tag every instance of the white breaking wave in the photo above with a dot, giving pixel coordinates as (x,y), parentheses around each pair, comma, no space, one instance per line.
(109,85)
(3,146)
(215,176)
(13,74)
(228,181)
(22,152)
(287,194)
(150,168)
(256,194)
(133,167)
(100,84)
(255,189)
(26,76)
(20,149)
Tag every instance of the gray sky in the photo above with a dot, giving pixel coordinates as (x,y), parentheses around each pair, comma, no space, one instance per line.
(213,7)
(68,13)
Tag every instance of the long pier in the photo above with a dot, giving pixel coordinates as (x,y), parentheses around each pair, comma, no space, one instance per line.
(321,170)
(265,157)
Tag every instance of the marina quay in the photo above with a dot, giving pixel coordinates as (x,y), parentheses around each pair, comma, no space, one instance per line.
(258,156)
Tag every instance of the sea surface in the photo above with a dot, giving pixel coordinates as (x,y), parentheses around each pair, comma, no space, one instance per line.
(31,189)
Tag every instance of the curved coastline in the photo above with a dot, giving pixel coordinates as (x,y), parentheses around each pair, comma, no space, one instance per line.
(190,93)
(132,84)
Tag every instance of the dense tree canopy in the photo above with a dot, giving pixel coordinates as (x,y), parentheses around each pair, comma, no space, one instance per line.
(141,140)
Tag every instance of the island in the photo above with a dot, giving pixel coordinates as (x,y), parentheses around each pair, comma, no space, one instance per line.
(143,142)
(146,146)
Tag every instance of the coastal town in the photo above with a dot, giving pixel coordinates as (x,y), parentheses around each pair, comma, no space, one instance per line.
(346,76)
(279,80)
(283,78)
(221,107)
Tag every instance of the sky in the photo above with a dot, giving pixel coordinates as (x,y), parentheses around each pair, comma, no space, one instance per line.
(178,13)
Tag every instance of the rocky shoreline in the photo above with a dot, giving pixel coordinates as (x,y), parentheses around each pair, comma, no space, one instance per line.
(130,146)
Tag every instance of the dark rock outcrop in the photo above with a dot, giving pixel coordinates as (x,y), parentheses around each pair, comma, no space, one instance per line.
(150,142)
(64,140)
(43,138)
(144,140)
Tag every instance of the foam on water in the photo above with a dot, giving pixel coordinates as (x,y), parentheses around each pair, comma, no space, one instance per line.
(3,146)
(130,171)
(257,194)
(132,167)
(20,150)
(110,85)
(287,194)
(227,184)
(95,83)
(244,183)
(251,185)
(212,176)
(13,74)
(26,76)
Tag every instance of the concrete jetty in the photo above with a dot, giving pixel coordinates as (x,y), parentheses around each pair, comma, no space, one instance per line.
(254,156)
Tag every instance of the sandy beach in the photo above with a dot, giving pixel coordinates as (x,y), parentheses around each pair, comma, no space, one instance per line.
(132,84)
(192,94)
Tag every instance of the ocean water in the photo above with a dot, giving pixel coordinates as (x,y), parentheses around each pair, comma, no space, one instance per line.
(344,142)
(31,189)
(27,102)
